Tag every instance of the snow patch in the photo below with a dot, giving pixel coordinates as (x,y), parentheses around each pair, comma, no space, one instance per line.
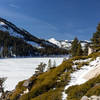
(54,41)
(80,61)
(2,23)
(26,91)
(77,77)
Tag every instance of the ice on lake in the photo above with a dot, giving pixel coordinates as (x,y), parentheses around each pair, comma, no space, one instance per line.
(21,68)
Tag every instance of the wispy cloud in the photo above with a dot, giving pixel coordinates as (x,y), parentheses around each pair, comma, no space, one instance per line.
(14,6)
(34,25)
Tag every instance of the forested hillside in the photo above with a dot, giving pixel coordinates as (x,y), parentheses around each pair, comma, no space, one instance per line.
(16,42)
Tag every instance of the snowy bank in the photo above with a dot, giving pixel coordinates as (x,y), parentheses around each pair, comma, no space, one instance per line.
(79,77)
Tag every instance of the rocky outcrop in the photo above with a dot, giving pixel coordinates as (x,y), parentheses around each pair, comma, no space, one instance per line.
(91,98)
(84,98)
(28,84)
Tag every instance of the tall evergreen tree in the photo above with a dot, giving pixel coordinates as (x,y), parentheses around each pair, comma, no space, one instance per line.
(79,50)
(49,64)
(5,51)
(74,47)
(54,63)
(85,52)
(96,37)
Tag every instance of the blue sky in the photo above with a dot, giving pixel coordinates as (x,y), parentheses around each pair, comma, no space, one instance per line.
(61,19)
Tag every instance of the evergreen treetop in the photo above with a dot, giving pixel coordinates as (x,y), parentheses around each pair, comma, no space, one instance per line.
(79,50)
(85,53)
(49,64)
(96,37)
(74,47)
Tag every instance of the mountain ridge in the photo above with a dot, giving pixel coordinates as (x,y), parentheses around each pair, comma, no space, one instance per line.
(40,46)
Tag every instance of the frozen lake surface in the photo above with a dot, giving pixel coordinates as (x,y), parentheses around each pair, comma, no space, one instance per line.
(18,69)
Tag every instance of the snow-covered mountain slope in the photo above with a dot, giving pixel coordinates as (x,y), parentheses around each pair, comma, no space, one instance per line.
(61,44)
(21,33)
(66,43)
(18,37)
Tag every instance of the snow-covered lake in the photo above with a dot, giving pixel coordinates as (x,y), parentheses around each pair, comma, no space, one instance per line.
(21,68)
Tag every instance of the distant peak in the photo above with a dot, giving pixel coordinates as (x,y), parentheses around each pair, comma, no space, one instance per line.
(52,39)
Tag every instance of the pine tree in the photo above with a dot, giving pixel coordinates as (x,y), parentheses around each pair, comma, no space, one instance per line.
(79,50)
(5,51)
(40,68)
(96,37)
(85,52)
(49,64)
(74,47)
(54,63)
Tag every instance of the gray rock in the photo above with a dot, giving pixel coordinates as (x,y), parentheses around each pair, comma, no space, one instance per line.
(94,98)
(97,84)
(26,83)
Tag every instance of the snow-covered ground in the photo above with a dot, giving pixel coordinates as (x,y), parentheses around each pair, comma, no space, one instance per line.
(78,77)
(18,69)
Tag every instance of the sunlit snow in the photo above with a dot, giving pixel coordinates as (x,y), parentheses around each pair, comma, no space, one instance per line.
(18,69)
(78,77)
